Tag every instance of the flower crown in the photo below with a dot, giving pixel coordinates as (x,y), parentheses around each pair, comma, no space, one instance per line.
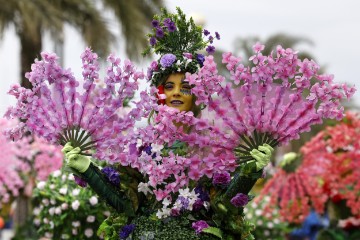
(177,41)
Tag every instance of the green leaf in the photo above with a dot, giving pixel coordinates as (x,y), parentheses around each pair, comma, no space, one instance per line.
(214,231)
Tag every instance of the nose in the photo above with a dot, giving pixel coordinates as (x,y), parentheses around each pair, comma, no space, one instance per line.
(176,92)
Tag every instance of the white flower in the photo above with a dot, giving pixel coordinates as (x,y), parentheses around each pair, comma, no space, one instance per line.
(63,190)
(206,205)
(156,148)
(51,211)
(184,193)
(93,200)
(76,224)
(45,201)
(52,201)
(52,186)
(166,202)
(75,192)
(63,177)
(249,216)
(139,143)
(51,224)
(246,210)
(48,235)
(36,211)
(56,173)
(106,213)
(270,225)
(75,205)
(89,232)
(276,221)
(64,206)
(41,185)
(163,213)
(58,210)
(254,205)
(144,187)
(74,231)
(329,149)
(258,212)
(267,233)
(259,222)
(37,222)
(90,219)
(71,177)
(46,221)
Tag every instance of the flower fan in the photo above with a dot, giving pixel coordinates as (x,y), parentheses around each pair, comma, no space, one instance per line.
(272,102)
(58,110)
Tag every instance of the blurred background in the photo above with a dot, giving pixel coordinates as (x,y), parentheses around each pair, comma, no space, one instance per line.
(327,31)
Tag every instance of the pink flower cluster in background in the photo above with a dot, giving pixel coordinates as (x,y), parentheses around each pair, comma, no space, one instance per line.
(329,172)
(23,162)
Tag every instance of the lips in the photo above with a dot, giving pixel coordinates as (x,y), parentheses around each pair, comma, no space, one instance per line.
(176,102)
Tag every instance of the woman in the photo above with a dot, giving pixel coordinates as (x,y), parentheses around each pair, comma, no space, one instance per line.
(177,42)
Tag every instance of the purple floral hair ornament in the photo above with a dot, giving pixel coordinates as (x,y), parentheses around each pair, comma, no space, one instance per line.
(167,60)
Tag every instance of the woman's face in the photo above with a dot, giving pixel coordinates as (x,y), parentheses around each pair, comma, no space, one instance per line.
(178,92)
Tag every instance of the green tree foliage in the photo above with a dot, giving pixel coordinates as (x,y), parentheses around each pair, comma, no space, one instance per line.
(32,18)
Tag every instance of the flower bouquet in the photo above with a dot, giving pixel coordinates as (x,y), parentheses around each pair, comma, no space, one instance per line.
(65,211)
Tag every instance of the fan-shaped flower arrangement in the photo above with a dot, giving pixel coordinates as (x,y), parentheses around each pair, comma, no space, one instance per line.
(58,110)
(272,102)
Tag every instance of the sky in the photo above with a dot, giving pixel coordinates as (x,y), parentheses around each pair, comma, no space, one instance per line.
(332,26)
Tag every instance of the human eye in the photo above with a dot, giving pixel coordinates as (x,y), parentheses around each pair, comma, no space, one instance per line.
(186,85)
(168,86)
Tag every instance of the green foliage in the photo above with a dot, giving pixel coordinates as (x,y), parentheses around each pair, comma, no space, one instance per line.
(110,228)
(171,228)
(187,37)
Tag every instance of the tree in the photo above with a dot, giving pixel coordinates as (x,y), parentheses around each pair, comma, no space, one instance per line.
(32,18)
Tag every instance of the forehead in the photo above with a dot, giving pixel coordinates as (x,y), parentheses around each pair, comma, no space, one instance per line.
(175,77)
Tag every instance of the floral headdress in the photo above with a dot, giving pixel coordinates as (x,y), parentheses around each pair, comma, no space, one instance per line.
(177,41)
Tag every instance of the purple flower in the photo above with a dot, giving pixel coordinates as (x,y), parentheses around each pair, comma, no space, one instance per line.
(199,226)
(167,60)
(172,27)
(167,22)
(155,23)
(239,200)
(79,181)
(221,179)
(217,35)
(152,41)
(198,204)
(149,74)
(211,39)
(187,55)
(210,49)
(200,58)
(159,33)
(184,203)
(112,175)
(203,195)
(154,65)
(126,231)
(206,32)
